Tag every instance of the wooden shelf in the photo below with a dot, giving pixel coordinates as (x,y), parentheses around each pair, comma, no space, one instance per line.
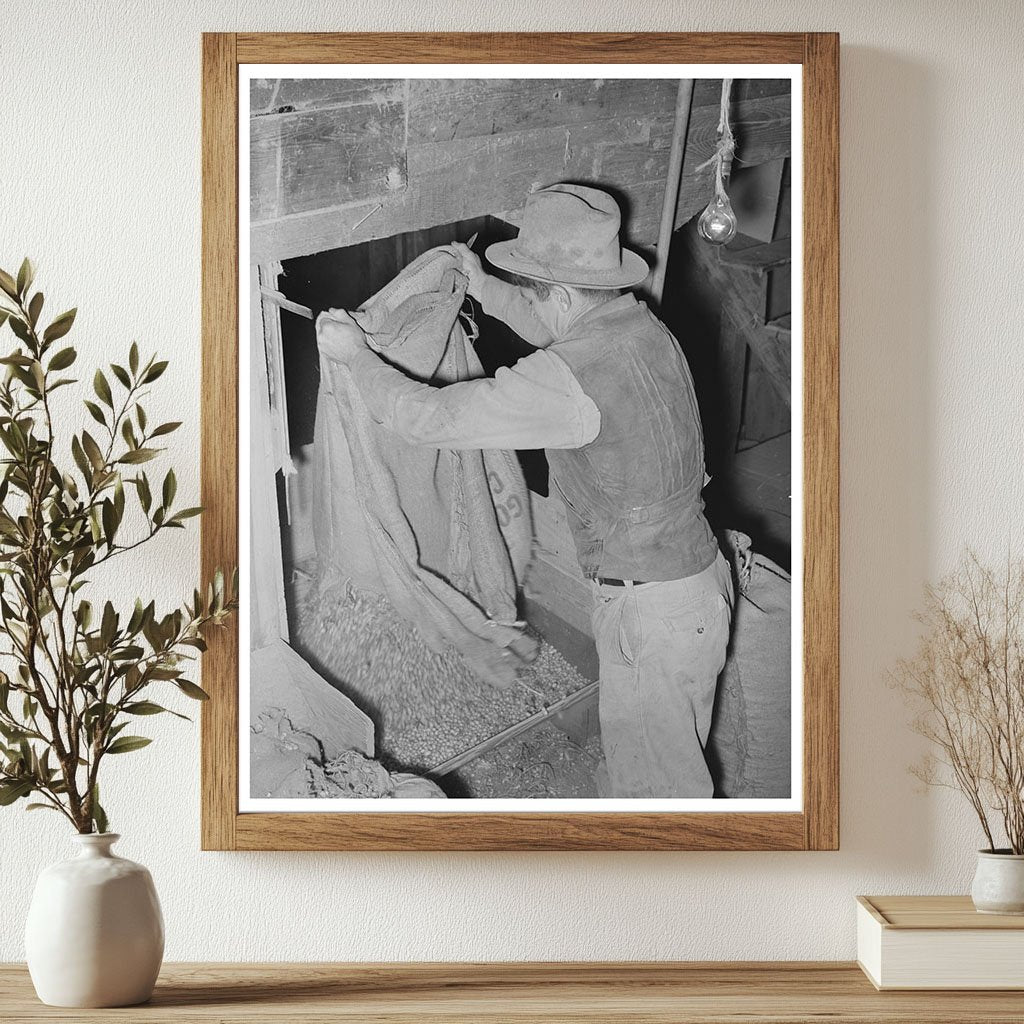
(657,993)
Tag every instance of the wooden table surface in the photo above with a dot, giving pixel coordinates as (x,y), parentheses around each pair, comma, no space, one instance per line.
(660,993)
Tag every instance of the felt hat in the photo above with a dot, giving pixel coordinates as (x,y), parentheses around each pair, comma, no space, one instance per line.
(569,234)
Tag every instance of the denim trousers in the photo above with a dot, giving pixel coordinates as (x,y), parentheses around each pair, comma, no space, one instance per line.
(661,647)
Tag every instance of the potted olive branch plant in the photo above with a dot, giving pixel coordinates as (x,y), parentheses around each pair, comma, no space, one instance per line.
(76,672)
(967,682)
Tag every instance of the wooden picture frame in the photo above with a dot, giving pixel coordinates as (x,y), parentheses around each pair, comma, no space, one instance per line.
(816,825)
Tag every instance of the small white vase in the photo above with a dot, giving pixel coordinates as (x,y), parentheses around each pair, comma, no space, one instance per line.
(999,882)
(95,934)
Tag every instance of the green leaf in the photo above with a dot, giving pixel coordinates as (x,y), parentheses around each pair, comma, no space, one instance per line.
(108,626)
(99,816)
(139,455)
(126,744)
(4,314)
(138,615)
(60,326)
(129,653)
(185,513)
(133,358)
(145,497)
(17,631)
(80,458)
(121,374)
(63,359)
(140,415)
(35,308)
(128,433)
(96,412)
(20,328)
(171,674)
(84,614)
(191,690)
(12,733)
(154,372)
(102,388)
(92,449)
(144,707)
(95,711)
(109,521)
(170,488)
(26,274)
(41,807)
(7,283)
(11,791)
(166,428)
(10,442)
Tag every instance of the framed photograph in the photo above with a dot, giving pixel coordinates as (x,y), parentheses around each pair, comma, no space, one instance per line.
(520,420)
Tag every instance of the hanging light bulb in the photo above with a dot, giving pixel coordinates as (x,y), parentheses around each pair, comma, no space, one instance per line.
(717,223)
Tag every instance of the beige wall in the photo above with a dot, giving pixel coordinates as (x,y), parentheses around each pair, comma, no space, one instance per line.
(99,181)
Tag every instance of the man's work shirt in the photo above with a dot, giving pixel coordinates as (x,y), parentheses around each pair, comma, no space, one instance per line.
(613,404)
(537,403)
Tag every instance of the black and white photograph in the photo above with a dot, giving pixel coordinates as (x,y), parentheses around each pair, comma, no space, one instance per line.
(520,437)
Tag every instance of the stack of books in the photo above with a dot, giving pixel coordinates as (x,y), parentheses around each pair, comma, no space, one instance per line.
(938,942)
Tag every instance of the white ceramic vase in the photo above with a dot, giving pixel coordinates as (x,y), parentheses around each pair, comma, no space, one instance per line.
(999,882)
(95,934)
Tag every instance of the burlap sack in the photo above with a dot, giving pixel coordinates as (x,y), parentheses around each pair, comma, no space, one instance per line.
(444,535)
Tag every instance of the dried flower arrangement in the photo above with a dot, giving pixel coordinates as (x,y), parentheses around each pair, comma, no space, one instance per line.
(967,679)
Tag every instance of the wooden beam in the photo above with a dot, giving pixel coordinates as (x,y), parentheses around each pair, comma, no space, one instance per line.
(446,110)
(280,299)
(322,230)
(266,560)
(675,166)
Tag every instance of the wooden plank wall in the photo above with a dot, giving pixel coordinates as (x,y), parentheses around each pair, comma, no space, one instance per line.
(336,162)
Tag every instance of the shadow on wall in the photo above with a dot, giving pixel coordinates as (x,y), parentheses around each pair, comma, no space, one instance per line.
(889,269)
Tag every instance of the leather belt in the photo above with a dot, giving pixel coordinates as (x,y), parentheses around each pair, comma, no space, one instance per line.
(619,583)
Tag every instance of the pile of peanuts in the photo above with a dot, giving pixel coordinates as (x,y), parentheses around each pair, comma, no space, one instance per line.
(542,764)
(427,706)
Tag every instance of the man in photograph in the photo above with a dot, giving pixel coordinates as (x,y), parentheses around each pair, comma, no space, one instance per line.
(610,398)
